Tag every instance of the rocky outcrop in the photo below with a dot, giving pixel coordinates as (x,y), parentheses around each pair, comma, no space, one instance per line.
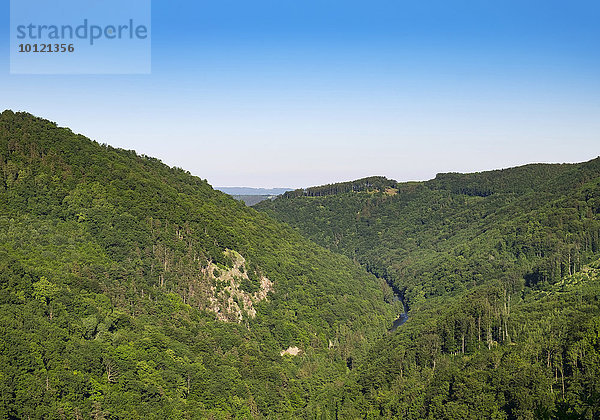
(234,293)
(292,351)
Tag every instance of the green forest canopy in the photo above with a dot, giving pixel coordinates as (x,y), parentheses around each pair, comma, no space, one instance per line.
(129,289)
(481,260)
(117,270)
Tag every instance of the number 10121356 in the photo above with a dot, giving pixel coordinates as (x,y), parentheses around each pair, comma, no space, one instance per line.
(46,48)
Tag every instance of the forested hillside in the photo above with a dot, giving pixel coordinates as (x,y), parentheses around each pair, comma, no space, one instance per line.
(534,223)
(496,352)
(129,289)
(504,310)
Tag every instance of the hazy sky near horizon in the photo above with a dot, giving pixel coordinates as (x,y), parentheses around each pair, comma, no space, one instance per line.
(299,93)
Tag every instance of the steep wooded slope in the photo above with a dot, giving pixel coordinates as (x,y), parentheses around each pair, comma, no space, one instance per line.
(129,289)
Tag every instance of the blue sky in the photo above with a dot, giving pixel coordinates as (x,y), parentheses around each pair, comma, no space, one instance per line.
(299,93)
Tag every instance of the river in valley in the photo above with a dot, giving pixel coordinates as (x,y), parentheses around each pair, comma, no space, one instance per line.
(402,318)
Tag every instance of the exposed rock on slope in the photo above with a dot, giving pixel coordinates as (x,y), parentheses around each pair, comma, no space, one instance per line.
(233,292)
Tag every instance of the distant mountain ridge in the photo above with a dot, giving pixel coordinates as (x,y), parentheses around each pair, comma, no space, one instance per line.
(520,179)
(252,191)
(379,183)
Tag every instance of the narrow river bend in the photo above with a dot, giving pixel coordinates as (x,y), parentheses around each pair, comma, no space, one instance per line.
(402,318)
